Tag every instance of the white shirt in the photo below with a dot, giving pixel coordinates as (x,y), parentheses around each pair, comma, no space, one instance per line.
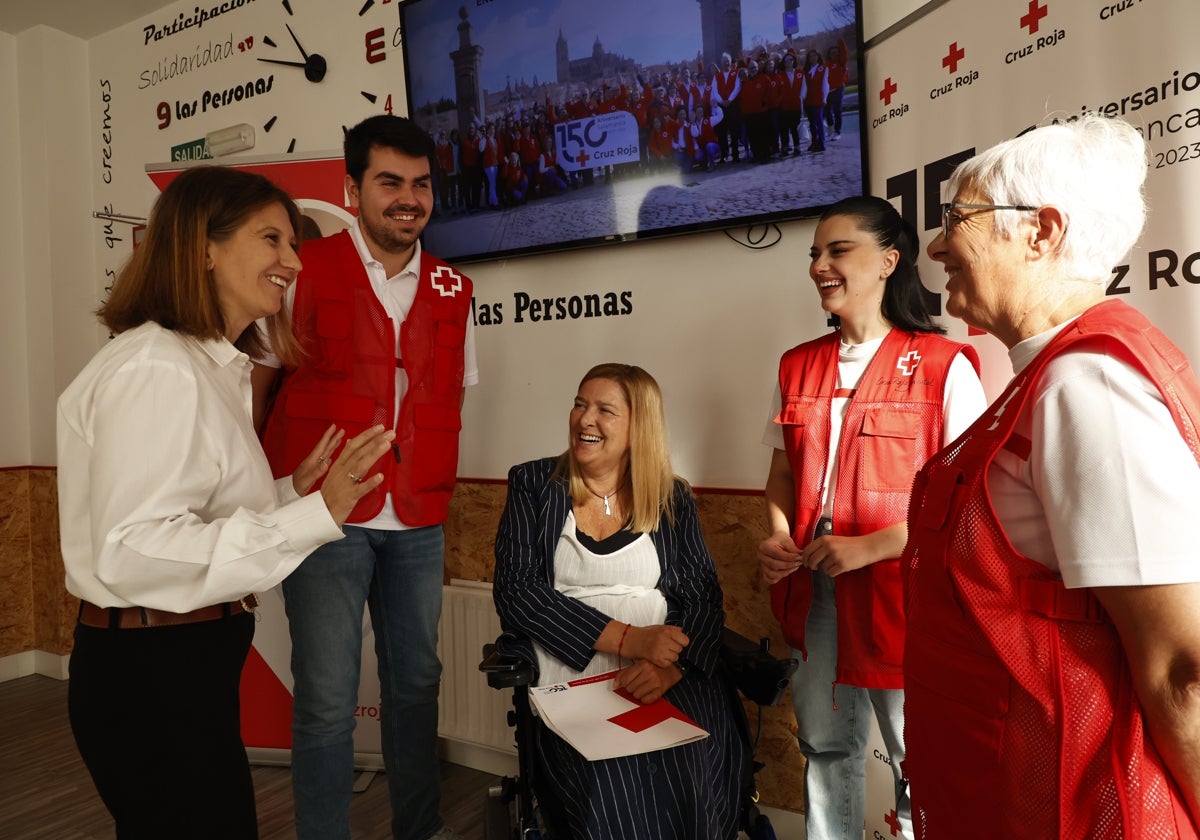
(962,403)
(1108,494)
(396,294)
(165,497)
(622,585)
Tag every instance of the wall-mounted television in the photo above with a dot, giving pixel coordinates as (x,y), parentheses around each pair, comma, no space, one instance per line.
(568,123)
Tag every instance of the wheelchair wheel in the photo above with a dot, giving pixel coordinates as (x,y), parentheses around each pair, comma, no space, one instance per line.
(497,816)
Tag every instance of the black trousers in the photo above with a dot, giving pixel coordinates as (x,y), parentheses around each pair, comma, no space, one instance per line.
(155,715)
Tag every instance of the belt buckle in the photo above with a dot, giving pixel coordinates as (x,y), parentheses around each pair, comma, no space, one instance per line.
(253,596)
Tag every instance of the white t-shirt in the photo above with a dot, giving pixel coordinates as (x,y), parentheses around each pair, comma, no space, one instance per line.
(166,499)
(1108,494)
(397,294)
(962,402)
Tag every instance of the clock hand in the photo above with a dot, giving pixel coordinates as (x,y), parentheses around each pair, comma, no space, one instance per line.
(297,40)
(284,63)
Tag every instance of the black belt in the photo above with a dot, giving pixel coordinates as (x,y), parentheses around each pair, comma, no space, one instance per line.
(131,618)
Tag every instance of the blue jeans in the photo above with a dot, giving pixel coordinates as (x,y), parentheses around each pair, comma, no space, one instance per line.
(398,575)
(834,726)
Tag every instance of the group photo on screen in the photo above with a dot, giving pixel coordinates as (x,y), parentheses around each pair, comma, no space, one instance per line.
(566,123)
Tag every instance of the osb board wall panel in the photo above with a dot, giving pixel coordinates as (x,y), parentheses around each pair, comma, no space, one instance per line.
(36,611)
(16,575)
(54,608)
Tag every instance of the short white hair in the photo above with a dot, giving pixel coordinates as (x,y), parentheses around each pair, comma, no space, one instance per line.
(1092,167)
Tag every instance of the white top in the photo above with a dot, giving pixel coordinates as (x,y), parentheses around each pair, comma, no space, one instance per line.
(165,497)
(396,294)
(590,577)
(962,402)
(1108,494)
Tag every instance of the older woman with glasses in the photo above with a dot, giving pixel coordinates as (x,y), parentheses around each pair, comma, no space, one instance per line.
(1052,664)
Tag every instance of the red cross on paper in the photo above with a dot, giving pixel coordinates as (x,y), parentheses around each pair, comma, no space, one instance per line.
(1035,14)
(893,822)
(889,90)
(583,157)
(641,718)
(956,54)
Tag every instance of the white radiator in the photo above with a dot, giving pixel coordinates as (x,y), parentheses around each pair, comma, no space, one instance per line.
(472,716)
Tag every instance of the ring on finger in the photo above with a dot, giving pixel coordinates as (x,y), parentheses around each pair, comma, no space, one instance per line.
(357,479)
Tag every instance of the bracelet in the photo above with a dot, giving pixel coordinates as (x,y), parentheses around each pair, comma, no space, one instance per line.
(621,644)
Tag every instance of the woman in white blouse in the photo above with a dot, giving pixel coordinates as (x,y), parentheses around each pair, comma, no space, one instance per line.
(600,564)
(169,516)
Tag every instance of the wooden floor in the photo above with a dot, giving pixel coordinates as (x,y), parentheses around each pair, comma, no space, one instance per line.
(47,794)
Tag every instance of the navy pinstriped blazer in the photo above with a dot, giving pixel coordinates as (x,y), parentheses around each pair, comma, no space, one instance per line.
(530,607)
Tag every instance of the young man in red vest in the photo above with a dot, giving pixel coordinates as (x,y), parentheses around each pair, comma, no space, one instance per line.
(387,333)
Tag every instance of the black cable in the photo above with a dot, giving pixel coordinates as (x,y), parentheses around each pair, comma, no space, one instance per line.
(755,244)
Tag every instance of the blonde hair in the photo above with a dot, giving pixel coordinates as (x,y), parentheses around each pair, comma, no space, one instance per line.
(651,480)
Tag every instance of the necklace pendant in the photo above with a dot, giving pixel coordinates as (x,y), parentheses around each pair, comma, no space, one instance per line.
(607,509)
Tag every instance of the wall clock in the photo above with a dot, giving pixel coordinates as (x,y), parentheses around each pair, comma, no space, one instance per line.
(312,50)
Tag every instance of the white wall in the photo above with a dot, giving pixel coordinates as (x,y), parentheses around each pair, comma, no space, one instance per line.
(14,373)
(711,317)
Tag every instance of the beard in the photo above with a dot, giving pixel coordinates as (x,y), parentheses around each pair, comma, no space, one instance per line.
(388,238)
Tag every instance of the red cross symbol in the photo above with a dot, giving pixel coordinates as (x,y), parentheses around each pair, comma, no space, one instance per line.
(893,822)
(889,89)
(583,157)
(1036,13)
(907,364)
(641,718)
(446,289)
(956,54)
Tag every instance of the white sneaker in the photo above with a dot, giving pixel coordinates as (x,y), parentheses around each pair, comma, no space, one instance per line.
(835,136)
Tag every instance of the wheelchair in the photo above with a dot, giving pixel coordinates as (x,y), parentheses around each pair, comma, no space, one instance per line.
(511,813)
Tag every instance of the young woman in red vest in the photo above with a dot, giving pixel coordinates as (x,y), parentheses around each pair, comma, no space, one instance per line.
(815,96)
(838,69)
(856,414)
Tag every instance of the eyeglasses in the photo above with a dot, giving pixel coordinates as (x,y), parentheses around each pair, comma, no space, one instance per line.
(949,220)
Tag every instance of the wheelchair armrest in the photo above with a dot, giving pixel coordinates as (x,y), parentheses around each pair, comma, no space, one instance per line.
(505,671)
(759,675)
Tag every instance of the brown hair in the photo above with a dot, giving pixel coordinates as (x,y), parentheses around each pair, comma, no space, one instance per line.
(651,478)
(166,280)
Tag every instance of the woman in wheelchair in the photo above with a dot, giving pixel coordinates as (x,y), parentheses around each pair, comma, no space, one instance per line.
(600,564)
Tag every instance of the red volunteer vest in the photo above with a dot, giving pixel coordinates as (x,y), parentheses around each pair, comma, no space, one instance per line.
(893,424)
(349,377)
(995,643)
(814,94)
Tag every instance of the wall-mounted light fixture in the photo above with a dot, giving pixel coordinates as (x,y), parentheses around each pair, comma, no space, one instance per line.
(226,141)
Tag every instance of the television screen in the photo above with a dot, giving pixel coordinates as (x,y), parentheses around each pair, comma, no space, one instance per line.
(565,123)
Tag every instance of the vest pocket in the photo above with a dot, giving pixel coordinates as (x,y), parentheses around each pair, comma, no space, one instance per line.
(965,695)
(448,356)
(333,338)
(889,446)
(435,458)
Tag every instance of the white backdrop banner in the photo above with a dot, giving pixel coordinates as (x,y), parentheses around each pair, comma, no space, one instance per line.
(968,75)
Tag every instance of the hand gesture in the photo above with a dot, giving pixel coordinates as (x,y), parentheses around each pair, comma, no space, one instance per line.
(646,681)
(778,557)
(317,462)
(348,481)
(661,644)
(835,555)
